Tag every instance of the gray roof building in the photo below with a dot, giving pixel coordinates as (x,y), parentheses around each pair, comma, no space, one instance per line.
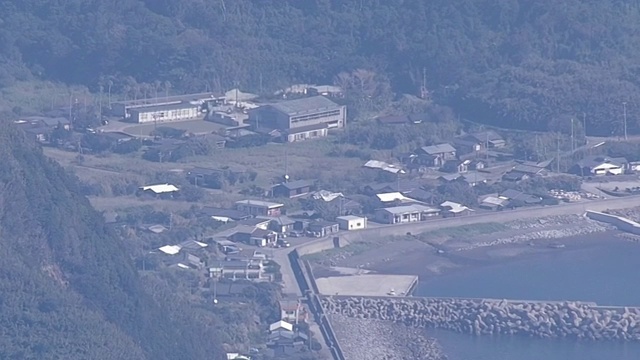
(306,113)
(305,105)
(438,149)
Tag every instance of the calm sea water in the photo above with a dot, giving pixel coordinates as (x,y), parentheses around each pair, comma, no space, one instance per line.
(608,274)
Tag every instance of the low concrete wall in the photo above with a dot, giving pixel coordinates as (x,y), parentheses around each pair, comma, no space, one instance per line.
(328,243)
(492,317)
(620,222)
(307,285)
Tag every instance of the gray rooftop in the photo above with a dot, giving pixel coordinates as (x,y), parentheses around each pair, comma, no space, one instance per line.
(410,208)
(349,217)
(597,160)
(154,108)
(305,105)
(296,184)
(438,149)
(260,203)
(528,169)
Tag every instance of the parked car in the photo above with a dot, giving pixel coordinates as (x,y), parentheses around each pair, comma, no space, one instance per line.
(283,243)
(296,234)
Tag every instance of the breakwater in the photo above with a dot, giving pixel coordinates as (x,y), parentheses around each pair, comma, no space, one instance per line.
(492,317)
(622,223)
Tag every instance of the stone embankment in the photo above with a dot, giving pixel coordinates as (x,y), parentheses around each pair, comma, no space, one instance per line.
(556,227)
(383,340)
(491,317)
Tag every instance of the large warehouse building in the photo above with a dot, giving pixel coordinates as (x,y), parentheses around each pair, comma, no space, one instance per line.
(125,108)
(163,113)
(300,119)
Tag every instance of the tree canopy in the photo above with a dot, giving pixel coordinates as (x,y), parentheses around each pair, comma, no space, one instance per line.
(513,63)
(68,287)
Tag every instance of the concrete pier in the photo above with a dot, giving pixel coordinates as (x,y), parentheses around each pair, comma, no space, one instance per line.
(367,285)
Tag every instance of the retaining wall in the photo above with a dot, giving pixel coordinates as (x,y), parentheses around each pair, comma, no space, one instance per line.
(491,317)
(317,246)
(620,222)
(307,285)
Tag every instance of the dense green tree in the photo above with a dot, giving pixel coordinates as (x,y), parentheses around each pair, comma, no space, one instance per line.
(69,289)
(513,63)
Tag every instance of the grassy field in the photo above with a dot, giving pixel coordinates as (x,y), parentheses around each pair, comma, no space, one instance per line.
(463,231)
(34,97)
(305,160)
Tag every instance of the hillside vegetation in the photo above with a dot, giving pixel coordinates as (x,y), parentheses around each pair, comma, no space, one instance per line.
(516,63)
(67,287)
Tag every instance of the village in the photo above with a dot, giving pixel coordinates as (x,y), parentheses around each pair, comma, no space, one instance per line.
(245,214)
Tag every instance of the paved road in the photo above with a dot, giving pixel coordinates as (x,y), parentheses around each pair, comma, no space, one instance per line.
(290,285)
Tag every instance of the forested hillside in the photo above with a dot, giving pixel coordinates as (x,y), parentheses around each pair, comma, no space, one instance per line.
(520,63)
(67,287)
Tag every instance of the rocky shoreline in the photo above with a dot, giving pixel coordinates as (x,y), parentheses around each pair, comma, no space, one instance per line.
(383,340)
(555,227)
(492,317)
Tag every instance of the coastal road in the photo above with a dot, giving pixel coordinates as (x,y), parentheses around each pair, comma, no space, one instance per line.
(290,285)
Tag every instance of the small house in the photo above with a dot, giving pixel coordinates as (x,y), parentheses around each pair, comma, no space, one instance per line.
(280,325)
(455,166)
(530,169)
(292,189)
(451,209)
(251,235)
(321,228)
(259,207)
(159,190)
(516,198)
(474,178)
(477,164)
(280,224)
(223,215)
(439,154)
(292,311)
(488,139)
(493,203)
(393,120)
(405,214)
(235,270)
(351,222)
(600,165)
(200,176)
(237,356)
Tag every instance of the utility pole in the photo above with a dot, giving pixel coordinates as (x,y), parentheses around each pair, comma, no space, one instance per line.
(558,154)
(624,108)
(584,124)
(423,88)
(572,141)
(70,111)
(486,147)
(261,89)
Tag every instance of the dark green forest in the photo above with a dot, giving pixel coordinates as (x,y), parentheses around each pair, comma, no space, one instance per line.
(69,288)
(515,63)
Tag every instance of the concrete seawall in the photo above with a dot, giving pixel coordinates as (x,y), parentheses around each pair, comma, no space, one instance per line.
(620,222)
(492,317)
(306,282)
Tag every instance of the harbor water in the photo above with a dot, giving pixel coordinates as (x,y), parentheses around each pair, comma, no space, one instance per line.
(606,273)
